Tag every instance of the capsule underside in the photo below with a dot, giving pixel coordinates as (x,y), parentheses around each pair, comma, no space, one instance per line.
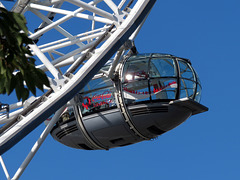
(153,94)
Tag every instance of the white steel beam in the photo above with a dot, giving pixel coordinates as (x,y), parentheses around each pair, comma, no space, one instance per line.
(57,52)
(2,6)
(71,42)
(77,36)
(115,62)
(58,98)
(113,6)
(93,21)
(67,56)
(12,115)
(4,168)
(93,9)
(58,28)
(59,21)
(45,61)
(121,4)
(14,106)
(38,143)
(73,14)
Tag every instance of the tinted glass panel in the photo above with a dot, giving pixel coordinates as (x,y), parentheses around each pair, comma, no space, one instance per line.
(187,88)
(162,68)
(97,83)
(139,56)
(136,91)
(96,101)
(198,80)
(135,70)
(163,88)
(186,71)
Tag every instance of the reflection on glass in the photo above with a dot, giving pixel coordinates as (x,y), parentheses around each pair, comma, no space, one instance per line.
(144,80)
(198,93)
(198,80)
(146,77)
(187,88)
(98,83)
(186,71)
(162,68)
(136,70)
(96,101)
(136,91)
(97,95)
(163,88)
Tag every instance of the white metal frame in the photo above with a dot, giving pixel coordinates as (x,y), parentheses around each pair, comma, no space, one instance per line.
(89,50)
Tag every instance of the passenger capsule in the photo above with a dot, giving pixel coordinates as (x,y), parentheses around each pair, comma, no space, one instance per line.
(149,95)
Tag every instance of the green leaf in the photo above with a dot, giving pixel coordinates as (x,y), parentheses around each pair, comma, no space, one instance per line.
(25,94)
(2,85)
(13,50)
(21,22)
(30,83)
(3,67)
(19,88)
(12,84)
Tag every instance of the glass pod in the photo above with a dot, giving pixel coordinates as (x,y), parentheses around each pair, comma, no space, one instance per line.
(159,77)
(150,95)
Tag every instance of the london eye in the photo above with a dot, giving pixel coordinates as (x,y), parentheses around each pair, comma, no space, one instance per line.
(104,94)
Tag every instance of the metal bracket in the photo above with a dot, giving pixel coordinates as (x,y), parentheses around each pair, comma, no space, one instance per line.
(4,107)
(57,84)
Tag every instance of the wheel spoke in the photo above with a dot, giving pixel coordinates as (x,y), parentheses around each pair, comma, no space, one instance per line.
(93,9)
(58,28)
(46,62)
(72,14)
(113,6)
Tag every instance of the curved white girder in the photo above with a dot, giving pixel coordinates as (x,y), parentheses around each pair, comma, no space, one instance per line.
(124,24)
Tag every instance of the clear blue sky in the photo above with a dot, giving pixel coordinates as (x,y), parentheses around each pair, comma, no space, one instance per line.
(206,146)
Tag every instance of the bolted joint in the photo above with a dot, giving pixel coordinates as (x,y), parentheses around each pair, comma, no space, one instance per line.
(57,84)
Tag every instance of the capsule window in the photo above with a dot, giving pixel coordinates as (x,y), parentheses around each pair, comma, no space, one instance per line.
(163,88)
(186,71)
(187,88)
(144,78)
(162,68)
(147,79)
(136,91)
(97,95)
(136,70)
(98,83)
(97,101)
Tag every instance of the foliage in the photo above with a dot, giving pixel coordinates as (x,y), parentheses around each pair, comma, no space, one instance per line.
(15,56)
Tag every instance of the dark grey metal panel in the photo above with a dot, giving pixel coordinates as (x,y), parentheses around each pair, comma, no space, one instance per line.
(194,106)
(109,129)
(69,135)
(157,116)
